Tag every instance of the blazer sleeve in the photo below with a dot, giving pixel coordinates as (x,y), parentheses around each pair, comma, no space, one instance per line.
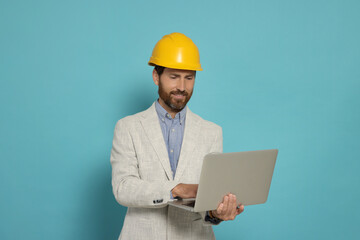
(217,147)
(129,190)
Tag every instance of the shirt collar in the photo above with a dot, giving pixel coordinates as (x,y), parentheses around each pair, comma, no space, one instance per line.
(164,114)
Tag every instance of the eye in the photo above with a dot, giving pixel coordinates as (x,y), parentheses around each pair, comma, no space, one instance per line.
(189,78)
(173,77)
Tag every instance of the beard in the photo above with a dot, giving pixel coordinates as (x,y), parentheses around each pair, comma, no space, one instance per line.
(174,104)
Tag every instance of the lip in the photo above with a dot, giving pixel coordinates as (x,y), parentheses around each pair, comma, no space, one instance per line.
(178,96)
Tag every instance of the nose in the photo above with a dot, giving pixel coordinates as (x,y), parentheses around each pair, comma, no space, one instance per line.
(181,84)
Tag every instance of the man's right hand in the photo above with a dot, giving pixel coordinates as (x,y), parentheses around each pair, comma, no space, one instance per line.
(185,190)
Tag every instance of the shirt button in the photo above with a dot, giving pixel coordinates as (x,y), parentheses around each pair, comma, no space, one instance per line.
(173,130)
(162,119)
(171,150)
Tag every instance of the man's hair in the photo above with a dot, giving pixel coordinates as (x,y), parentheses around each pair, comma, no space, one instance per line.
(160,70)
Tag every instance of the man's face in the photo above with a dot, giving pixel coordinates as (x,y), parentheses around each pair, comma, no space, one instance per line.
(175,88)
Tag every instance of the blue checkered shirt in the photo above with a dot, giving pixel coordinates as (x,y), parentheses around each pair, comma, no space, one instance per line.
(173,133)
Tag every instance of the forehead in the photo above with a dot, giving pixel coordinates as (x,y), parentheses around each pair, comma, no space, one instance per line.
(179,71)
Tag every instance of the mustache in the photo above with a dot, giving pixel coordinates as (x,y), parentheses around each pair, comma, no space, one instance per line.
(178,92)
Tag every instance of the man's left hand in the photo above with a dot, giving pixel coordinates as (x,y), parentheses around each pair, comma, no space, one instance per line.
(228,209)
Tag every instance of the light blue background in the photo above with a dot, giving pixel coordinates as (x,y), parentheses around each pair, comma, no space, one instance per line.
(277,74)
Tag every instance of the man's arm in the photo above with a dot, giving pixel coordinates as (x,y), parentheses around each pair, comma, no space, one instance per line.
(227,209)
(217,147)
(129,190)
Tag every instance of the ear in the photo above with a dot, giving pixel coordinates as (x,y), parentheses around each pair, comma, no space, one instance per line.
(155,76)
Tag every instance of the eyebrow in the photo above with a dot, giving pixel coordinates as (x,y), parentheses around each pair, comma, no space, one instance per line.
(178,75)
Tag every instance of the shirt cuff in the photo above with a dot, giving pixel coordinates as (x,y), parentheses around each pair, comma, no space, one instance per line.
(171,196)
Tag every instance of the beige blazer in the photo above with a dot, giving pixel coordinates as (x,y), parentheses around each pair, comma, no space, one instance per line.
(142,177)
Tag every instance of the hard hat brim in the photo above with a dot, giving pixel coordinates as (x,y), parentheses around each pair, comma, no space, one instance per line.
(183,67)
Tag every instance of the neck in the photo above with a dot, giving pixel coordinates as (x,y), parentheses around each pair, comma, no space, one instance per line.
(167,108)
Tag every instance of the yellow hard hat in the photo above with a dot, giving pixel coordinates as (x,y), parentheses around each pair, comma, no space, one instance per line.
(176,51)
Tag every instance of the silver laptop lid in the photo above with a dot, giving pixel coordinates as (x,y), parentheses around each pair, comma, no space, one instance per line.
(246,174)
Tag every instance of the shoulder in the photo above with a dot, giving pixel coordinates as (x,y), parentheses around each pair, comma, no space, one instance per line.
(134,119)
(131,118)
(205,124)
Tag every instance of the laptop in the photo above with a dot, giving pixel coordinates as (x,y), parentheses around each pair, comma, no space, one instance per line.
(246,174)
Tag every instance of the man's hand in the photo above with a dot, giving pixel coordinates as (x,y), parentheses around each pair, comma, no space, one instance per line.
(185,190)
(228,209)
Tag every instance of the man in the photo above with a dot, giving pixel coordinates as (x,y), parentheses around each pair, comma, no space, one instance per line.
(157,154)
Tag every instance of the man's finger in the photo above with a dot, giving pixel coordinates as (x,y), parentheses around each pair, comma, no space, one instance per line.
(232,205)
(225,204)
(240,209)
(219,210)
(233,202)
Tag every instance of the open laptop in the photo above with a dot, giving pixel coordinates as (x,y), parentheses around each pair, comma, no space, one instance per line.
(246,174)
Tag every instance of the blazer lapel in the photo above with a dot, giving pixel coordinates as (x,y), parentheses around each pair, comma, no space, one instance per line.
(151,125)
(192,129)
